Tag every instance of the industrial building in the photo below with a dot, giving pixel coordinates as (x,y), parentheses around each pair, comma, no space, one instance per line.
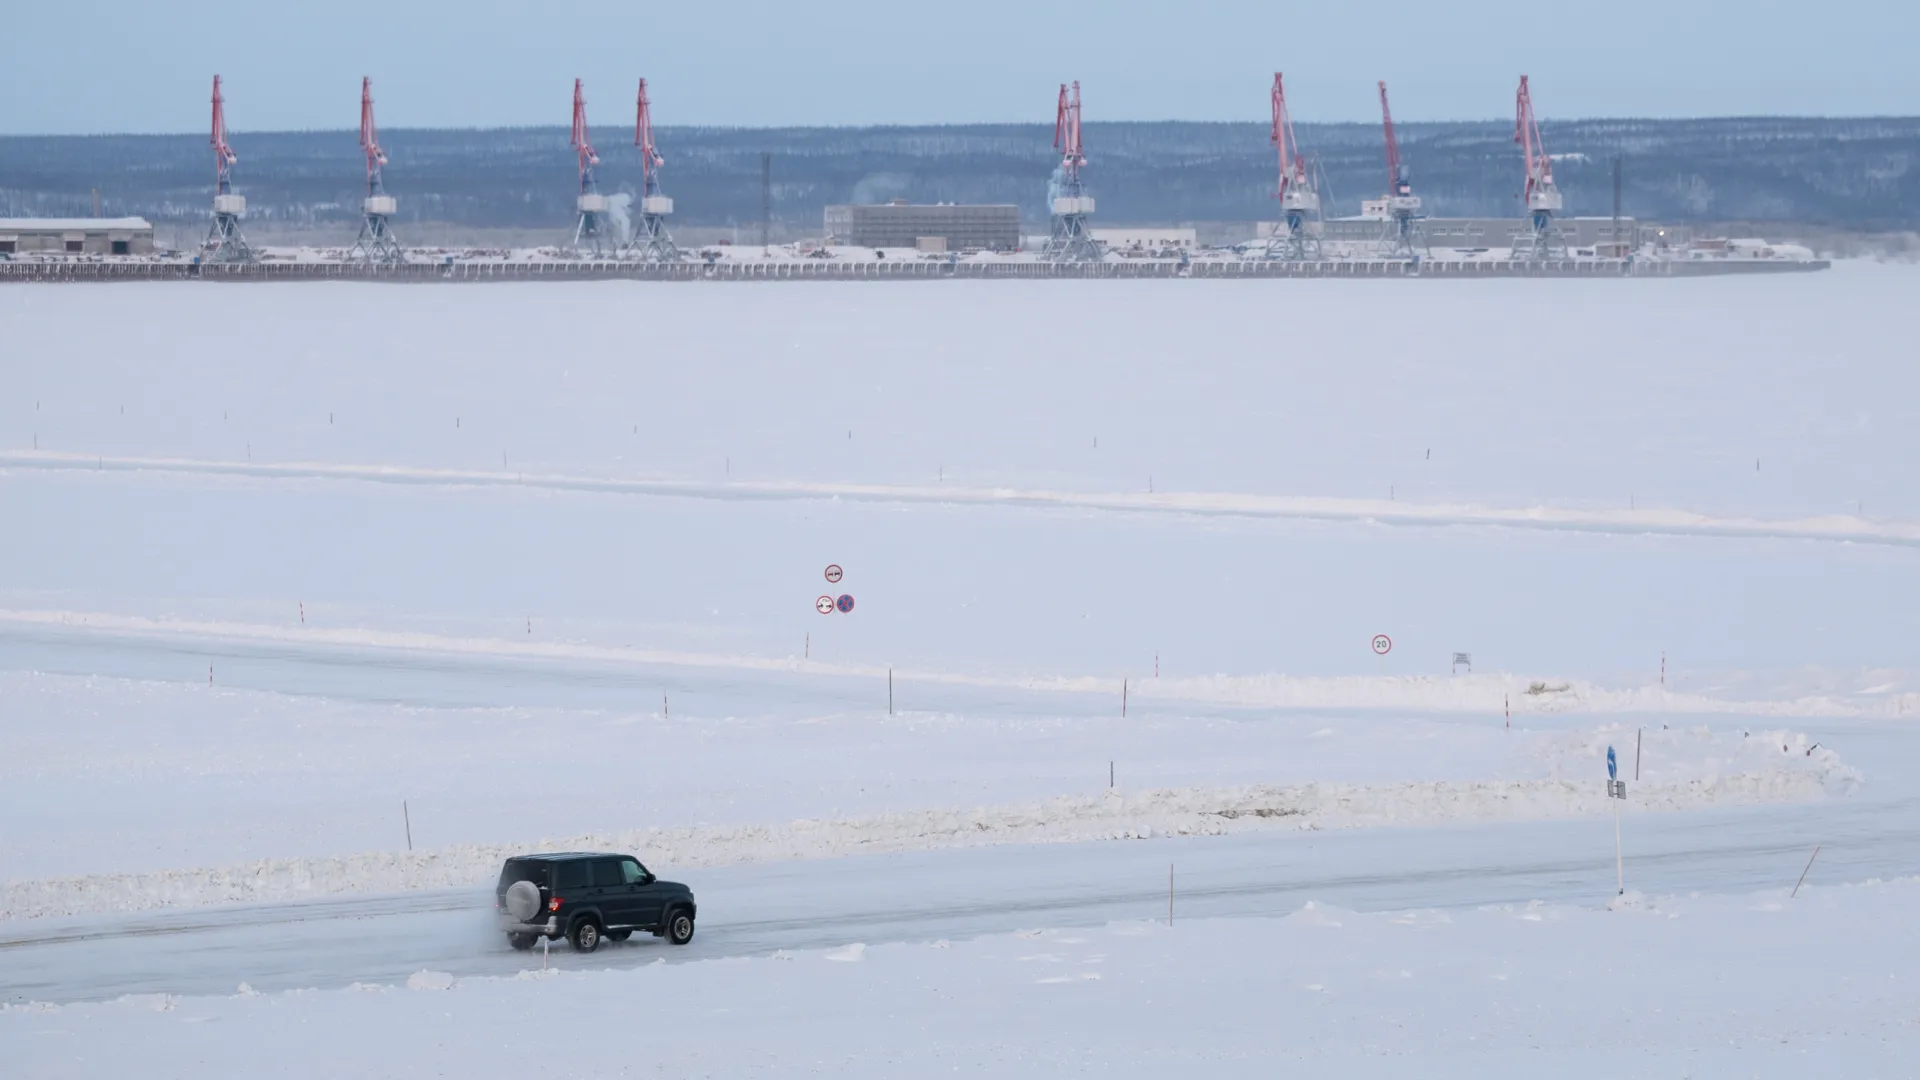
(76,236)
(1146,239)
(899,224)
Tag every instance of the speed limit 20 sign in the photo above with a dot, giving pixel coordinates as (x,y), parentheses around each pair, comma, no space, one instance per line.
(1382,644)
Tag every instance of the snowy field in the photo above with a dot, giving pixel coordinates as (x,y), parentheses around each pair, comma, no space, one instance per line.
(540,561)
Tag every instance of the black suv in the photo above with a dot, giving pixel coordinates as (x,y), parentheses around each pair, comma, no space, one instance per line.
(585,896)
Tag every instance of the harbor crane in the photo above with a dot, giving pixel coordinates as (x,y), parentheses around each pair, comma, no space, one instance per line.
(589,230)
(225,243)
(376,243)
(650,241)
(1299,234)
(1067,199)
(1403,237)
(1542,197)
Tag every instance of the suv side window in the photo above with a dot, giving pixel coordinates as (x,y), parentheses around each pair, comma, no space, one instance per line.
(632,871)
(571,874)
(607,873)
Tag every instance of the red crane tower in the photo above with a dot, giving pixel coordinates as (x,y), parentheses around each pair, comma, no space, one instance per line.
(592,206)
(1541,196)
(650,241)
(1299,201)
(376,243)
(1067,199)
(1403,238)
(225,243)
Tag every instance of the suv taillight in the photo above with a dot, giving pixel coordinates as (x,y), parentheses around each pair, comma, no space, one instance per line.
(554,904)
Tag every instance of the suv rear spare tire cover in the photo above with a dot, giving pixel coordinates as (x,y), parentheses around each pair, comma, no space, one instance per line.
(523,900)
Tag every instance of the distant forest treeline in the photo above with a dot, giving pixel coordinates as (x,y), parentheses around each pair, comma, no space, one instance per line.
(1851,173)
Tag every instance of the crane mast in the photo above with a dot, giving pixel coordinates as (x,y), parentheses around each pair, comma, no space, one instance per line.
(1299,237)
(1402,237)
(1067,199)
(375,243)
(589,229)
(225,242)
(650,239)
(1541,195)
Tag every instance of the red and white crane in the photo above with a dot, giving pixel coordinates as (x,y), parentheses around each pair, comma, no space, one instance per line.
(376,243)
(225,242)
(650,240)
(1067,198)
(590,228)
(1542,197)
(1298,238)
(1402,237)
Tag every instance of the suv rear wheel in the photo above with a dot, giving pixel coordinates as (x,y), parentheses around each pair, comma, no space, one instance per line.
(523,942)
(679,926)
(585,936)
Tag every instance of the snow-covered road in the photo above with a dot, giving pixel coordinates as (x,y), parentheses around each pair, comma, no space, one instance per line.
(754,910)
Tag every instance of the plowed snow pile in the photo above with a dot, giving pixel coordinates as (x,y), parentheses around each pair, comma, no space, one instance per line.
(1697,769)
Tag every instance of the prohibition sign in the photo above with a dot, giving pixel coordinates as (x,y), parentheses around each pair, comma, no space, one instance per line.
(834,574)
(824,605)
(845,603)
(1382,644)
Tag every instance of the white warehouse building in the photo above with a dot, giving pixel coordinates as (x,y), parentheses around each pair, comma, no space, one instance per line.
(76,236)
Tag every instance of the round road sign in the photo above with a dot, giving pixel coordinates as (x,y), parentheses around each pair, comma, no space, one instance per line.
(1382,644)
(845,603)
(834,574)
(824,605)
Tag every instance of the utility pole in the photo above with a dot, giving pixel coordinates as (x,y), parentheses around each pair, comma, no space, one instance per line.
(1622,248)
(766,200)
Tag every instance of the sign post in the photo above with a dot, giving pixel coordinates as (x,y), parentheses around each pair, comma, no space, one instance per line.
(1617,794)
(1382,645)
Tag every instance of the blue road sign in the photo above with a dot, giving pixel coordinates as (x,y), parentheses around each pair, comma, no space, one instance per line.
(845,603)
(1613,767)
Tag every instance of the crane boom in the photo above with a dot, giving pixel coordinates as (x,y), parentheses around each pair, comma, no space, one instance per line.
(223,155)
(1526,132)
(650,158)
(1293,168)
(370,137)
(1396,177)
(1066,131)
(582,144)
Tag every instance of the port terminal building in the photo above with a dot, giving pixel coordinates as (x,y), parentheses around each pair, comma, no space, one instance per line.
(900,224)
(76,236)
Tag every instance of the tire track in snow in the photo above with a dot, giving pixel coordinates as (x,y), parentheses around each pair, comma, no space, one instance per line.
(1474,693)
(1838,528)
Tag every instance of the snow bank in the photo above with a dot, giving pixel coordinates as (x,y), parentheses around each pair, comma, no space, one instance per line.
(1798,773)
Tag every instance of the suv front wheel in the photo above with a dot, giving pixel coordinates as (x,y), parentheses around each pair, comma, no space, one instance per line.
(585,936)
(679,926)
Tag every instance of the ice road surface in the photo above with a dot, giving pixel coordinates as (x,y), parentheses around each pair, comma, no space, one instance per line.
(1746,985)
(551,581)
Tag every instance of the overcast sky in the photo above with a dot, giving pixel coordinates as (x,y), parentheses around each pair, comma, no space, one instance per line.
(88,66)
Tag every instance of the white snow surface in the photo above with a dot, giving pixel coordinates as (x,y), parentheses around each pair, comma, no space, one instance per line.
(538,562)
